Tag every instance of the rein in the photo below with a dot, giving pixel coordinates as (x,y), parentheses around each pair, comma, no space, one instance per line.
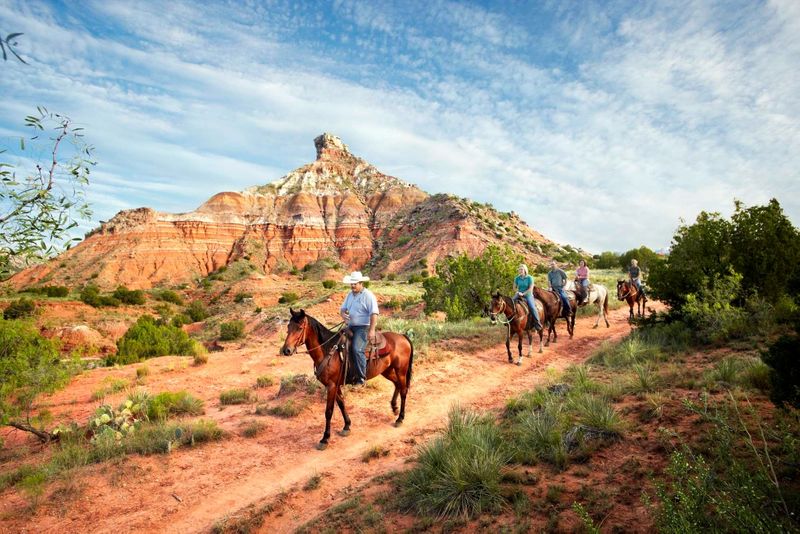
(509,319)
(308,351)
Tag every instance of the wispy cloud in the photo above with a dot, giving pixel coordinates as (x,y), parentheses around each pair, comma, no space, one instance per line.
(600,124)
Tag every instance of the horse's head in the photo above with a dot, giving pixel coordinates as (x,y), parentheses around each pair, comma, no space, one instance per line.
(622,289)
(296,332)
(496,306)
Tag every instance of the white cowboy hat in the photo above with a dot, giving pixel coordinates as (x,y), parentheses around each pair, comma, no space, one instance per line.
(355,277)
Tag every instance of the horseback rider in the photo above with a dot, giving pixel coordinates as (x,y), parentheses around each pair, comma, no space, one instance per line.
(360,312)
(582,279)
(557,280)
(523,289)
(635,276)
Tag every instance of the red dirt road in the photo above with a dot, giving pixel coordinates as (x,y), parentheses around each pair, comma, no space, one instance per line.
(192,489)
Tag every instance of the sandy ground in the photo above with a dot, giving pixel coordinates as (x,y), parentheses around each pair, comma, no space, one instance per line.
(192,489)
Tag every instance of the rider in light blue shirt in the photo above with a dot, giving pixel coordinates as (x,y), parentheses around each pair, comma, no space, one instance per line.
(360,312)
(523,288)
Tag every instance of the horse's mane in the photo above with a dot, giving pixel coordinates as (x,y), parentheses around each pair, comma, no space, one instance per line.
(323,334)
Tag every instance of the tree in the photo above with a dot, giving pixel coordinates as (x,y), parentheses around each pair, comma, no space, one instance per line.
(38,210)
(606,260)
(766,248)
(29,366)
(463,285)
(643,255)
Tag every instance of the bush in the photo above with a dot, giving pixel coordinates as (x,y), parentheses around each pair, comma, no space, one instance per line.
(414,279)
(711,310)
(169,404)
(197,311)
(29,366)
(20,308)
(781,357)
(328,284)
(149,339)
(288,297)
(290,408)
(391,277)
(50,291)
(235,396)
(90,295)
(127,296)
(264,381)
(168,295)
(180,319)
(458,474)
(201,358)
(403,240)
(231,330)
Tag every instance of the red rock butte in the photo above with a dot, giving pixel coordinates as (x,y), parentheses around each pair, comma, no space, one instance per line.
(339,207)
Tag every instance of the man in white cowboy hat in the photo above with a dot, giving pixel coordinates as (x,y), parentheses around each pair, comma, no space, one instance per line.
(360,312)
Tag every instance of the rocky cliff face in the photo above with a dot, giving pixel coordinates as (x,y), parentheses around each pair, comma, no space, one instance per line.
(339,207)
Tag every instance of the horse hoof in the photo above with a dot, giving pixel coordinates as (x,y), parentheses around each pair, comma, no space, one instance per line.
(519,363)
(541,351)
(595,326)
(344,432)
(322,446)
(398,423)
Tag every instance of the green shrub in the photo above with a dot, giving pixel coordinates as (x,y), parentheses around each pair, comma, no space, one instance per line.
(167,295)
(264,381)
(287,409)
(20,308)
(403,240)
(90,295)
(328,284)
(149,339)
(241,296)
(414,279)
(781,357)
(201,358)
(458,474)
(235,396)
(172,403)
(539,434)
(50,291)
(162,438)
(127,296)
(288,297)
(180,319)
(253,428)
(391,277)
(231,330)
(142,371)
(197,311)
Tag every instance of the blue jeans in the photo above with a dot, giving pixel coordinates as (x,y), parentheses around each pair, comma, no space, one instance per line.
(532,307)
(564,298)
(358,347)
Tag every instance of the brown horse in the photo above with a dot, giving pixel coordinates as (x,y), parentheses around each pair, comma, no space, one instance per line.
(628,292)
(553,309)
(394,362)
(516,321)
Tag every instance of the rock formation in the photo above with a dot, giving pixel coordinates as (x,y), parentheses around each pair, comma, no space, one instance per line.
(338,208)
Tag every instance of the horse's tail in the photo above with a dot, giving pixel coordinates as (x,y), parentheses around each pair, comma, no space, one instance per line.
(605,305)
(410,362)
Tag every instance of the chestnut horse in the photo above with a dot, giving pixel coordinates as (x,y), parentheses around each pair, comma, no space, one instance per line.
(394,362)
(627,291)
(553,309)
(516,321)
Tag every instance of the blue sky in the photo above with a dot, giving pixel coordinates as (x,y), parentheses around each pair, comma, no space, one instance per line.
(601,123)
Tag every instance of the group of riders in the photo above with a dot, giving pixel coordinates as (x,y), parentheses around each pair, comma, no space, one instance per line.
(359,311)
(557,279)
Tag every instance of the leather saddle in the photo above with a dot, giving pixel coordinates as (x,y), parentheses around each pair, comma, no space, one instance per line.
(377,349)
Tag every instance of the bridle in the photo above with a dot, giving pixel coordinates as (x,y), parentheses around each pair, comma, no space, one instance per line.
(308,351)
(631,289)
(493,315)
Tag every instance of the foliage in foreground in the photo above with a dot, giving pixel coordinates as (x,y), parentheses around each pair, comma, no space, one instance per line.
(740,483)
(29,366)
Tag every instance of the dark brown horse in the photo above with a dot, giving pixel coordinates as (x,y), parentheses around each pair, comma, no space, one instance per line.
(628,292)
(554,309)
(516,321)
(394,362)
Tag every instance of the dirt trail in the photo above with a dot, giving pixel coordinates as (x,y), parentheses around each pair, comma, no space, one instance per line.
(192,489)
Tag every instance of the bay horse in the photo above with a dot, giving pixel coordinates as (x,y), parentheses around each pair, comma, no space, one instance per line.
(627,291)
(394,362)
(553,309)
(598,294)
(516,322)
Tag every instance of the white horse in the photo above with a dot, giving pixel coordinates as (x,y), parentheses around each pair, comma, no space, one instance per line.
(598,294)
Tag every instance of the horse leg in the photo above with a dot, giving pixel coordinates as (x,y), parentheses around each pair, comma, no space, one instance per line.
(394,399)
(530,342)
(403,385)
(519,346)
(340,402)
(332,391)
(508,346)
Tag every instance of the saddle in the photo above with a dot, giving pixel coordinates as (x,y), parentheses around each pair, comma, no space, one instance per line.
(373,351)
